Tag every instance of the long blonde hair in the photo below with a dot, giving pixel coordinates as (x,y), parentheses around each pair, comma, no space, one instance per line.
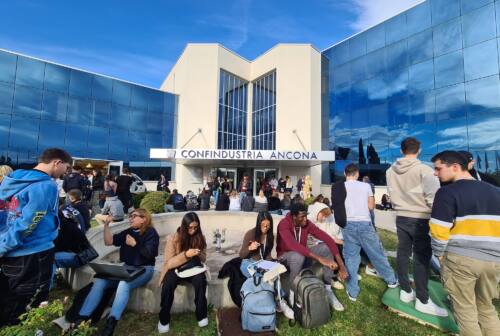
(4,171)
(147,216)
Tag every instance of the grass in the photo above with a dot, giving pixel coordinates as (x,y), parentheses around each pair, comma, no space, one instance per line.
(367,316)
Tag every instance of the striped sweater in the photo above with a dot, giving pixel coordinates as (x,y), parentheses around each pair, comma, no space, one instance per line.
(465,220)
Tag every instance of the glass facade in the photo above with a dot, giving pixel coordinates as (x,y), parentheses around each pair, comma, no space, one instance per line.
(46,105)
(232,125)
(431,72)
(264,112)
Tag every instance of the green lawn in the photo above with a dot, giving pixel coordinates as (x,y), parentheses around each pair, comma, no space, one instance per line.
(367,316)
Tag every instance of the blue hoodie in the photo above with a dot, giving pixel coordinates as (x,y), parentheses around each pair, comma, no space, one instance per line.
(28,213)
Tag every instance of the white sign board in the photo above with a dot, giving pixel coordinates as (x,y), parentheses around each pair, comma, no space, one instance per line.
(229,154)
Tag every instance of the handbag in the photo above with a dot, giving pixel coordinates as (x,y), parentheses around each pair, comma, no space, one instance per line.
(193,267)
(87,255)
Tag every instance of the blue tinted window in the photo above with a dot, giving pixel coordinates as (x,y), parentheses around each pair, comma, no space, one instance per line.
(121,93)
(54,106)
(119,116)
(30,72)
(418,18)
(101,113)
(340,54)
(117,143)
(379,115)
(481,60)
(76,137)
(483,96)
(342,75)
(27,102)
(444,10)
(497,10)
(358,69)
(422,76)
(357,46)
(447,37)
(422,107)
(98,140)
(450,102)
(468,5)
(396,55)
(140,96)
(7,67)
(155,122)
(136,145)
(395,29)
(426,134)
(375,38)
(360,117)
(154,140)
(102,88)
(420,47)
(375,63)
(80,83)
(449,69)
(479,25)
(4,131)
(24,134)
(56,78)
(452,134)
(156,101)
(483,133)
(138,119)
(398,111)
(377,89)
(79,111)
(51,134)
(6,96)
(397,83)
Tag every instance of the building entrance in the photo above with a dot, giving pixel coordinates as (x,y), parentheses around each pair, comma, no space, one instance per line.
(259,175)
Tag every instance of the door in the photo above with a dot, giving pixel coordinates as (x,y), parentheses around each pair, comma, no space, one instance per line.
(260,174)
(115,168)
(230,173)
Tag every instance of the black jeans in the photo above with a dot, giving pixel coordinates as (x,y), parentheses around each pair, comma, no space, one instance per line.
(126,199)
(24,281)
(413,236)
(170,283)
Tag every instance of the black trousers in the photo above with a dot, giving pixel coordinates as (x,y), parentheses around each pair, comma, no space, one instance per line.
(170,283)
(126,199)
(413,236)
(24,281)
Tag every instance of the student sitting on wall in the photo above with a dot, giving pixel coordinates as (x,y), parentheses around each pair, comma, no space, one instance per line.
(234,201)
(223,201)
(260,202)
(75,199)
(247,202)
(138,247)
(257,245)
(112,207)
(274,204)
(186,247)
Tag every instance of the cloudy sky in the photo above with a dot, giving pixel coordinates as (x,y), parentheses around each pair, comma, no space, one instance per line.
(139,41)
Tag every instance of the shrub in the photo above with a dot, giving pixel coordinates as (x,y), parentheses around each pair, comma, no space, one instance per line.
(309,201)
(137,198)
(154,201)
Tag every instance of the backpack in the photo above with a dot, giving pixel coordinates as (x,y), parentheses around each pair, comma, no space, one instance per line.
(258,308)
(178,202)
(191,201)
(311,305)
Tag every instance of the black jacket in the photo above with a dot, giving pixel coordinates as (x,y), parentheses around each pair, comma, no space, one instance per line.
(73,181)
(338,196)
(70,237)
(231,269)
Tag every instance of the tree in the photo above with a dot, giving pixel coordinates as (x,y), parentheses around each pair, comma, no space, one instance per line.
(362,159)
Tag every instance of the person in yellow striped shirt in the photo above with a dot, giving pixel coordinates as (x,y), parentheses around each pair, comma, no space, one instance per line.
(465,232)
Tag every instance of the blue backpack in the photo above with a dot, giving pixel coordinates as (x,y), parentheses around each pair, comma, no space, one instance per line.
(258,308)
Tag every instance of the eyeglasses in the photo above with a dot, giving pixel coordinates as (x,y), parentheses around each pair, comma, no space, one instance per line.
(132,216)
(193,227)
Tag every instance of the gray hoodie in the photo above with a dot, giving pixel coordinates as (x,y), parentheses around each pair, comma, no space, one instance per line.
(412,186)
(114,207)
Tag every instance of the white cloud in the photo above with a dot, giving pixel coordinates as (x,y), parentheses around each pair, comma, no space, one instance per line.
(372,12)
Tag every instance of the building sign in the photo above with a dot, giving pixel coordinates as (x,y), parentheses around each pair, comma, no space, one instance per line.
(229,154)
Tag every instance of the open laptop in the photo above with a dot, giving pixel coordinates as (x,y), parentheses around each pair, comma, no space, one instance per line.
(118,272)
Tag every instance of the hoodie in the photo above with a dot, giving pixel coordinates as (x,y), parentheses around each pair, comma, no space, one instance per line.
(328,225)
(412,186)
(28,213)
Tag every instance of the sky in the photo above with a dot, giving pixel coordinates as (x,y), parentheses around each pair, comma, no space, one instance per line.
(140,41)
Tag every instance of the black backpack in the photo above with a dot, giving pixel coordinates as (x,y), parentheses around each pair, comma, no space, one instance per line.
(311,305)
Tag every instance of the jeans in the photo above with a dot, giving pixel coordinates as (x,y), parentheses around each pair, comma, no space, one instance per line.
(413,236)
(24,281)
(168,208)
(362,235)
(64,260)
(122,293)
(170,283)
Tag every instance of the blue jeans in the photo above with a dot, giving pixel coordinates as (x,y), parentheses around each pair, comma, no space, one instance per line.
(63,260)
(122,293)
(359,235)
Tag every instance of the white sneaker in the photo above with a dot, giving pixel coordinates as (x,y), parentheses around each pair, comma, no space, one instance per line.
(406,297)
(203,323)
(430,308)
(371,271)
(286,310)
(291,298)
(337,284)
(353,299)
(332,299)
(393,285)
(359,277)
(162,329)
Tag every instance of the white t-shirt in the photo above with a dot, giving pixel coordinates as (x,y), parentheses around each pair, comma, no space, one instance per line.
(356,202)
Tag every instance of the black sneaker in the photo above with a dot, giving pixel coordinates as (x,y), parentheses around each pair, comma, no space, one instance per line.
(109,328)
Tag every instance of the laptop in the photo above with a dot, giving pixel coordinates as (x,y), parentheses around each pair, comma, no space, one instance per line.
(117,272)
